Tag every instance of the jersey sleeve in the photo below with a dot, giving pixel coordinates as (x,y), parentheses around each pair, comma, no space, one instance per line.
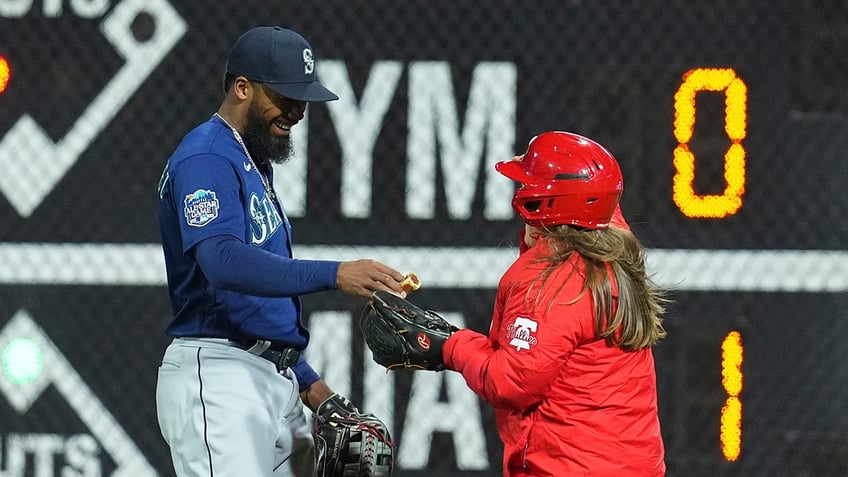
(231,264)
(207,196)
(516,367)
(306,376)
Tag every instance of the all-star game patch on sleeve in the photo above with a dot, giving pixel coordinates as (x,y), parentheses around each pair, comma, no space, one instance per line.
(200,207)
(206,189)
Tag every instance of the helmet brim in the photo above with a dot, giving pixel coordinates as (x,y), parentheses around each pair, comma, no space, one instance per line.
(514,171)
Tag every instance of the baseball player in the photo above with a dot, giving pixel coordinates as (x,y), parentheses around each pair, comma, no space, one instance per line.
(232,383)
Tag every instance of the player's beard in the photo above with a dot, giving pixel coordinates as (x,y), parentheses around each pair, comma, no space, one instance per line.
(264,147)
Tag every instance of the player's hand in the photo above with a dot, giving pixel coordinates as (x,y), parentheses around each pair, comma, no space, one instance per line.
(315,394)
(364,277)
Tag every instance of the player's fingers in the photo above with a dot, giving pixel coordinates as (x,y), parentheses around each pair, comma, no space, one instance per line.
(364,277)
(388,283)
(387,270)
(384,277)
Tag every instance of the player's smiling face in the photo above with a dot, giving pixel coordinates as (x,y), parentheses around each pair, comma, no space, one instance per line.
(281,112)
(269,122)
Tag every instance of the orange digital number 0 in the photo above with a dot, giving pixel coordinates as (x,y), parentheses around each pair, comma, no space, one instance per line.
(5,74)
(735,124)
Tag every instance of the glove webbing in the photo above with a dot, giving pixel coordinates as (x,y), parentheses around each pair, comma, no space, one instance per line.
(355,425)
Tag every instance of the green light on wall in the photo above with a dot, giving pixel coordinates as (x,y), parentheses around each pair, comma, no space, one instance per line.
(22,361)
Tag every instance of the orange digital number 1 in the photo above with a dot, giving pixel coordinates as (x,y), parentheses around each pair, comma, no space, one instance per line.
(731,379)
(735,123)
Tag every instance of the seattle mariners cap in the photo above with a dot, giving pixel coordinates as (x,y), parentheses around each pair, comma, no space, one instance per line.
(282,60)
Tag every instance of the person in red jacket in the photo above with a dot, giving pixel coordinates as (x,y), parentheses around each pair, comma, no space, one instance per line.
(567,364)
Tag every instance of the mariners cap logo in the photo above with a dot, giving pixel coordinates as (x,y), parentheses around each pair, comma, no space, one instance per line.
(308,61)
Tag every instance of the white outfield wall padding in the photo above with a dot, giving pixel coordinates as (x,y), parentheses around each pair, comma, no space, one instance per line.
(813,271)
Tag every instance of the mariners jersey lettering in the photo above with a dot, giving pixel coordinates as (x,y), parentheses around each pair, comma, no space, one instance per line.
(265,218)
(211,188)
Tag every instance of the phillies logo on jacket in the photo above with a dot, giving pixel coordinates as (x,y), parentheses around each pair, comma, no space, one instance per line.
(521,332)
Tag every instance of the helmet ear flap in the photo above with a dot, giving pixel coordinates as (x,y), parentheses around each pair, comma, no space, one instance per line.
(531,205)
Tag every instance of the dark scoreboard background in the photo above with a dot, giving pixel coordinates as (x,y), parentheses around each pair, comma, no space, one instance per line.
(95,94)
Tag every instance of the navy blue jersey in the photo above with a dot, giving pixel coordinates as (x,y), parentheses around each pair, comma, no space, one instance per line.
(210,188)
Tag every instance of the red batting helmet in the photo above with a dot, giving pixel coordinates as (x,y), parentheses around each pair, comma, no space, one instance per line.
(566,179)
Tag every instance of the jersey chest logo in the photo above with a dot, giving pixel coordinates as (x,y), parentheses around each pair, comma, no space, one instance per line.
(200,207)
(264,217)
(521,333)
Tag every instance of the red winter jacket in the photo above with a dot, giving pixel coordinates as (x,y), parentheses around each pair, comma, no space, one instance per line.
(565,403)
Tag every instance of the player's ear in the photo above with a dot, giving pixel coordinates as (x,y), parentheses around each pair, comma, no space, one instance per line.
(242,88)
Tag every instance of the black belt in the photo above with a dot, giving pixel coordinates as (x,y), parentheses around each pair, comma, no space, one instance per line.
(281,357)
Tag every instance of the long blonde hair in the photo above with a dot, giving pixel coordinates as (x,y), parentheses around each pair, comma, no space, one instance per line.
(637,320)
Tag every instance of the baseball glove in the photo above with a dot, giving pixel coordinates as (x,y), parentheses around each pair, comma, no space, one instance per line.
(349,443)
(402,335)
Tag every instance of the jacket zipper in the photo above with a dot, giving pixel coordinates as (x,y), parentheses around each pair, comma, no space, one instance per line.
(524,455)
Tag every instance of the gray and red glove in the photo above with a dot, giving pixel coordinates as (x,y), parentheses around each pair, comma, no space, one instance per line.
(349,443)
